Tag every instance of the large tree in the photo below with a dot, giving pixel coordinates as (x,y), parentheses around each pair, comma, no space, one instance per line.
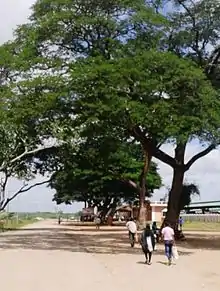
(61,32)
(155,98)
(194,32)
(61,35)
(102,173)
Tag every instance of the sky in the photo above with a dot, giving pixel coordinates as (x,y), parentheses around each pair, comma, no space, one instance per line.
(205,172)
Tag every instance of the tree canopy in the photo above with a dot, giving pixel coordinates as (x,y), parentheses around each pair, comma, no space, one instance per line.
(101,172)
(189,190)
(145,70)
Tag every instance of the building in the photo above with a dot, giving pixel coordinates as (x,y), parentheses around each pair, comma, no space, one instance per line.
(155,211)
(158,210)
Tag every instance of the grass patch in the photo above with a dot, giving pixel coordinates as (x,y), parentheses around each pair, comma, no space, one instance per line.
(201,226)
(11,224)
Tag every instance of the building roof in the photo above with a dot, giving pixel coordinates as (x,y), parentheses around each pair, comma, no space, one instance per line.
(204,204)
(158,203)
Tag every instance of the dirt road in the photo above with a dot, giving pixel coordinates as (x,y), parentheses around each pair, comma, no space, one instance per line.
(45,256)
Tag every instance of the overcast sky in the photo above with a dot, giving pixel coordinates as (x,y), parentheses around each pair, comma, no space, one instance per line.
(205,172)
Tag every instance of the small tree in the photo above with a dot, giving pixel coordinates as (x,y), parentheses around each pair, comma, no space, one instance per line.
(188,191)
(18,159)
(23,135)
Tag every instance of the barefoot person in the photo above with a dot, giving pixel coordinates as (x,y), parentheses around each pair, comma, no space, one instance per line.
(148,243)
(168,238)
(132,231)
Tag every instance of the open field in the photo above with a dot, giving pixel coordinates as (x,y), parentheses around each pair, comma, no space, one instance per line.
(202,226)
(15,223)
(188,226)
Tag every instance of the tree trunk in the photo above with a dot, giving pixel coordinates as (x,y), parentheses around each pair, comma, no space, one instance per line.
(177,186)
(111,212)
(174,196)
(143,189)
(105,208)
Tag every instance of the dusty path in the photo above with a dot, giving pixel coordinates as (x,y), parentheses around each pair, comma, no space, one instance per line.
(45,256)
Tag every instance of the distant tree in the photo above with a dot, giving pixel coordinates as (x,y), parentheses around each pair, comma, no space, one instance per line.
(102,173)
(189,190)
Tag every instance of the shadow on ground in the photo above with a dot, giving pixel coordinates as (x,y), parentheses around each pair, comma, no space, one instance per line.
(201,241)
(67,240)
(82,229)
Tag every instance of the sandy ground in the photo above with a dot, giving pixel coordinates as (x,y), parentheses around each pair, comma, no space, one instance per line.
(48,257)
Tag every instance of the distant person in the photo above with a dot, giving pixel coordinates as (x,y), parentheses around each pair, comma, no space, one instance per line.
(181,221)
(59,219)
(97,222)
(148,243)
(132,231)
(168,238)
(156,231)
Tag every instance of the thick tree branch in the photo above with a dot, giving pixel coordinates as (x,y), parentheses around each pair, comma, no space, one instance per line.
(195,46)
(165,158)
(132,184)
(23,189)
(198,156)
(3,185)
(213,62)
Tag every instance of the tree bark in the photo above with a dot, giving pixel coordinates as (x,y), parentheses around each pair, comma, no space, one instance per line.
(105,208)
(143,188)
(111,212)
(177,186)
(174,196)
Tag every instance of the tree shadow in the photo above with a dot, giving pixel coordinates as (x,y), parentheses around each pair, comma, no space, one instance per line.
(66,228)
(141,263)
(201,241)
(166,264)
(67,240)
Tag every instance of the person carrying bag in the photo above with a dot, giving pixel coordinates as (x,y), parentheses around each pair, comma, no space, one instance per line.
(175,253)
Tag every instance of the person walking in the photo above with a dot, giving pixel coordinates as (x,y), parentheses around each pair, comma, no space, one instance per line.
(148,243)
(132,231)
(97,221)
(156,231)
(168,238)
(181,221)
(59,219)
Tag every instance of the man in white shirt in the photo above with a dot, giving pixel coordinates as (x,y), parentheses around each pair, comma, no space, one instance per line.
(168,237)
(132,229)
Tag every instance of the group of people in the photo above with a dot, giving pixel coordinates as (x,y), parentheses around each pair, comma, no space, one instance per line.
(150,236)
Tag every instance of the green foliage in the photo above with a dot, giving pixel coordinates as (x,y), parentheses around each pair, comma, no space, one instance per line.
(168,97)
(102,170)
(79,67)
(194,33)
(188,191)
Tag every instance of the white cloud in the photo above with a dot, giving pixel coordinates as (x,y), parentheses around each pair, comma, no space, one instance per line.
(205,172)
